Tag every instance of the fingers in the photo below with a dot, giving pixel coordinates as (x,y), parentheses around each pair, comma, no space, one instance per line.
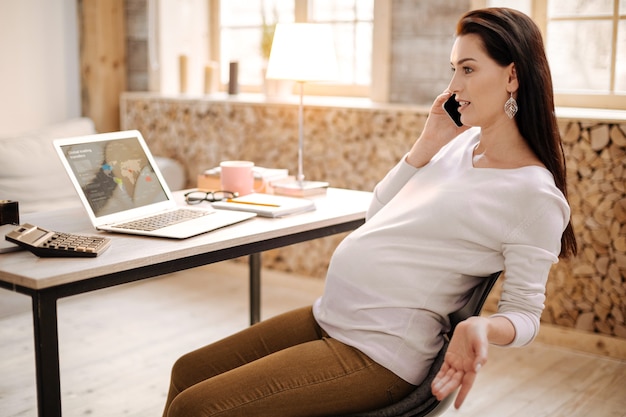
(444,96)
(439,381)
(448,379)
(439,100)
(446,382)
(466,385)
(481,349)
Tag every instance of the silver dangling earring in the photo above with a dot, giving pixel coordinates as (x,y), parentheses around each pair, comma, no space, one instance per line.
(510,107)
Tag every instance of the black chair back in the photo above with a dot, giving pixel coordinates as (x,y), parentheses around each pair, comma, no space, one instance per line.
(421,402)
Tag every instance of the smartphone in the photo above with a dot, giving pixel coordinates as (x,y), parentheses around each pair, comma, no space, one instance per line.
(451,106)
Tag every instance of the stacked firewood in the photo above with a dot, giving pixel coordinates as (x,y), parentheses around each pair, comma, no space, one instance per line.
(589,292)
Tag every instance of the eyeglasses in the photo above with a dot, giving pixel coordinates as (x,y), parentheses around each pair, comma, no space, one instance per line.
(197,197)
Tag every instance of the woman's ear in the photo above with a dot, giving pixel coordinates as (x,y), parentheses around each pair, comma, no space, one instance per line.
(513,83)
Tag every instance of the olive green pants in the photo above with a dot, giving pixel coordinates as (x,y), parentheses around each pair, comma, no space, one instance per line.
(285,366)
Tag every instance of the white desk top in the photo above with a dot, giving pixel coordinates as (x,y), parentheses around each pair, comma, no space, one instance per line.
(128,251)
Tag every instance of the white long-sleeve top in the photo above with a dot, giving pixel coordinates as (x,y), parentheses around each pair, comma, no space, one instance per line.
(429,235)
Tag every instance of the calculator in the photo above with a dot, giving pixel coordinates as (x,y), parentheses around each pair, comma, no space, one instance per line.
(47,243)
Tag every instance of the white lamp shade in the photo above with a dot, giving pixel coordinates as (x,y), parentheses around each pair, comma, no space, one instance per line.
(303,52)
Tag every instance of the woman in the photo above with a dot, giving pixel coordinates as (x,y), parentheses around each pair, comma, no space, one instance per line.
(464,202)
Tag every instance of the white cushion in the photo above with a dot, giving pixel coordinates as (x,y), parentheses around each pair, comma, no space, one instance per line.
(31,172)
(173,172)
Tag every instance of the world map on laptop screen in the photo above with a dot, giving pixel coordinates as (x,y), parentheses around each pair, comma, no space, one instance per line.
(114,175)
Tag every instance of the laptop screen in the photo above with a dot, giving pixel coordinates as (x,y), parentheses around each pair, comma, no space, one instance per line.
(114,175)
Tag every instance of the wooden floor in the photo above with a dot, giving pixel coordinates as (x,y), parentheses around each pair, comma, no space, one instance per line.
(117,347)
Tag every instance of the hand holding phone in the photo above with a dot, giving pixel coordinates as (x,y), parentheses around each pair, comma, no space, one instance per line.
(451,106)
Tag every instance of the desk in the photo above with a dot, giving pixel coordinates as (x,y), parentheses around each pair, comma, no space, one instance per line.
(132,258)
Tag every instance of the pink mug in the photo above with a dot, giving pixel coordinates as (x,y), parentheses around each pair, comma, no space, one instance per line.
(237,176)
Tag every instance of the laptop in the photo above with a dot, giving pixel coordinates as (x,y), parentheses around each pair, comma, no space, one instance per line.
(122,188)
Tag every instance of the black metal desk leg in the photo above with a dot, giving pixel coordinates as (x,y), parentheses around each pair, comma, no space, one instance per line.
(47,354)
(255,288)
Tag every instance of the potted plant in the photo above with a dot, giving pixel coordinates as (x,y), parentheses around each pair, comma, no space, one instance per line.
(267,37)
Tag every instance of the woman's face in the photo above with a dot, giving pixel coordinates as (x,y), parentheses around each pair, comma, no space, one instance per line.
(481,85)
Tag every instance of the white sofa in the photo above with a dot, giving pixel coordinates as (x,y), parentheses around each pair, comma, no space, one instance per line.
(32,174)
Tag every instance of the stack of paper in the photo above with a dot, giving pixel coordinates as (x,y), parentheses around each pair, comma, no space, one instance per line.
(297,189)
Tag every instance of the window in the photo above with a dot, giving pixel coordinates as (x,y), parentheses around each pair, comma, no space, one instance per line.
(244,25)
(586,47)
(178,29)
(585,43)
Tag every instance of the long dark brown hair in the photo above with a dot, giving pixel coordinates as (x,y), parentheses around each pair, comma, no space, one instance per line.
(510,36)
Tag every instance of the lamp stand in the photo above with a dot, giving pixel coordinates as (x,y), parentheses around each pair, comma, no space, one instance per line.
(301,187)
(300,177)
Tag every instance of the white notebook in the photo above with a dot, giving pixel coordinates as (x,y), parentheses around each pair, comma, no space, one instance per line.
(267,205)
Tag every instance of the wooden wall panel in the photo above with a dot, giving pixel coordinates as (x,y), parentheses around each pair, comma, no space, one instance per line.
(103,60)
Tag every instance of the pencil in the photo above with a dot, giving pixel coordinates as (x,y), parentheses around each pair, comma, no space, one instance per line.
(230,200)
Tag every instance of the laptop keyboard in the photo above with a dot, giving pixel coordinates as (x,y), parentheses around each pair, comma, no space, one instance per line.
(159,221)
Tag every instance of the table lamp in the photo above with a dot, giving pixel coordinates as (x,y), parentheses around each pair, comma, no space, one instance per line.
(302,52)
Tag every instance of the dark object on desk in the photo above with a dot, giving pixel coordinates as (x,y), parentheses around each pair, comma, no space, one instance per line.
(47,244)
(421,402)
(9,212)
(233,82)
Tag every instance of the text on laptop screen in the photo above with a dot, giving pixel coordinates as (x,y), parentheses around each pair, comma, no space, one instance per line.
(114,175)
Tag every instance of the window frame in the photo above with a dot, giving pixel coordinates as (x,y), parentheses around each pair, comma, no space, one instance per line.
(378,90)
(381,49)
(612,100)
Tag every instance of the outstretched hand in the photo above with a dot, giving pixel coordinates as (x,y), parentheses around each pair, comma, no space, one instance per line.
(466,354)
